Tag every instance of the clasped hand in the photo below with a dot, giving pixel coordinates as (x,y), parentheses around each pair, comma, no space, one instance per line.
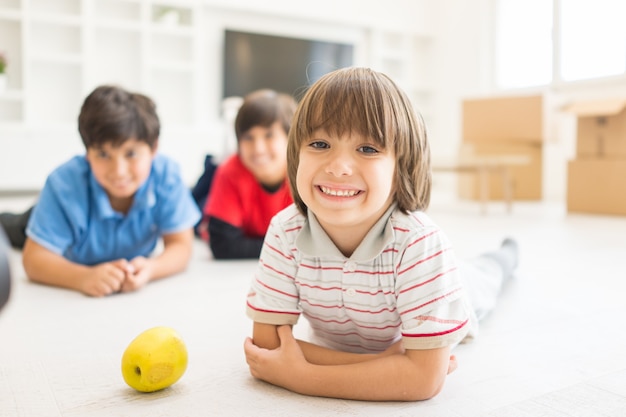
(281,366)
(117,276)
(287,365)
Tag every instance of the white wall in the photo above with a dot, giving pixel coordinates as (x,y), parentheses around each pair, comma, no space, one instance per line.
(463,70)
(462,53)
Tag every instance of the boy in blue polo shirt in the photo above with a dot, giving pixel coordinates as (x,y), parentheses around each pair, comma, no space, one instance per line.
(100,215)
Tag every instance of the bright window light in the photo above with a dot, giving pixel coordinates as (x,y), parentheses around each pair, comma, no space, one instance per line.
(593,38)
(523,49)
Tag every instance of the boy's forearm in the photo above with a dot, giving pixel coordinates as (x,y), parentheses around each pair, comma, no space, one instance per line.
(389,378)
(265,336)
(393,375)
(175,256)
(319,355)
(45,267)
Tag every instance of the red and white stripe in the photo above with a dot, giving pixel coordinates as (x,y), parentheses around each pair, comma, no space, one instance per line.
(410,289)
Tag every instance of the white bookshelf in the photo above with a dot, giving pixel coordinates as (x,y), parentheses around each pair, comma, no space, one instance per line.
(60,50)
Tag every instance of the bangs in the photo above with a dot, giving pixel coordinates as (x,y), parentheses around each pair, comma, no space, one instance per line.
(355,99)
(360,101)
(129,125)
(262,113)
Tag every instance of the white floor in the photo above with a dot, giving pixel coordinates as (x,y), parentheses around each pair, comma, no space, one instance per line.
(555,346)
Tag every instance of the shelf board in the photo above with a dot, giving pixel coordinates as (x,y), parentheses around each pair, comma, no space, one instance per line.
(10,15)
(173,66)
(171,30)
(55,58)
(11,95)
(56,19)
(117,24)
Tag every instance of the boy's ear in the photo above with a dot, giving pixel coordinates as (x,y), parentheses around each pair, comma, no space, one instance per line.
(88,155)
(155,148)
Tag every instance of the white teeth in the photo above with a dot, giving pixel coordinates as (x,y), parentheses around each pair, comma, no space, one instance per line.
(339,193)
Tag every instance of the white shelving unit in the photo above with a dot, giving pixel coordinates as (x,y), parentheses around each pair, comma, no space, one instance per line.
(60,50)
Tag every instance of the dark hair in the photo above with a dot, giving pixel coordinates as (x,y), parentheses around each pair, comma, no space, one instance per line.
(263,108)
(366,102)
(113,115)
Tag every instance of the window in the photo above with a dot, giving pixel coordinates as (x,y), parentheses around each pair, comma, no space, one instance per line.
(593,38)
(523,43)
(591,41)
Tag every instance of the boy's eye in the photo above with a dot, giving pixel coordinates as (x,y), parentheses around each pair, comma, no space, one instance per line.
(102,154)
(368,149)
(318,144)
(131,154)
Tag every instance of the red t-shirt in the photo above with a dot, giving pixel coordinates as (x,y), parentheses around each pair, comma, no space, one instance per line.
(237,198)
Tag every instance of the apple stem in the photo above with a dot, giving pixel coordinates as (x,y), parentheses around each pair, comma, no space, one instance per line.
(138,370)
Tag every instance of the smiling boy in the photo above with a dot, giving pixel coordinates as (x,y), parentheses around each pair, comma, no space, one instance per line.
(357,256)
(251,186)
(100,216)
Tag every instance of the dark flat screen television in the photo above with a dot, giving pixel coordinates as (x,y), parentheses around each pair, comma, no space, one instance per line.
(290,65)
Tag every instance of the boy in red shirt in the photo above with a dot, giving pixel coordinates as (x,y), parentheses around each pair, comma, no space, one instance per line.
(251,186)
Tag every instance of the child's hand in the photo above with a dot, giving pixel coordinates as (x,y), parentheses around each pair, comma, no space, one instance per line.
(278,366)
(105,278)
(138,273)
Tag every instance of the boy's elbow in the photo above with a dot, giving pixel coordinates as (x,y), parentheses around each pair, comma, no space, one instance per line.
(431,390)
(27,262)
(30,269)
(427,375)
(424,385)
(422,391)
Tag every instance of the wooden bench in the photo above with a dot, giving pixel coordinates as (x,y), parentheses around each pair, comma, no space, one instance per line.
(483,165)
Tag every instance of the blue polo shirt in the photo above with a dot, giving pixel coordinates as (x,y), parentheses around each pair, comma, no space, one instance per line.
(74,218)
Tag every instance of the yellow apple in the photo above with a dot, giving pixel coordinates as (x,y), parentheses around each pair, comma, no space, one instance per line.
(154,360)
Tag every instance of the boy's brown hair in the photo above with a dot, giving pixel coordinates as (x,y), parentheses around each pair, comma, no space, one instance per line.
(263,108)
(113,115)
(368,103)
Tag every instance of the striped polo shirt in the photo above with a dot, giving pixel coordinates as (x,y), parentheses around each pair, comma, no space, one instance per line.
(401,282)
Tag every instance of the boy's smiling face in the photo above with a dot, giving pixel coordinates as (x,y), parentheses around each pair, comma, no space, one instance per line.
(263,150)
(347,182)
(121,170)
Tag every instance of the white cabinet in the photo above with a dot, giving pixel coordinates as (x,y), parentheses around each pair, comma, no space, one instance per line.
(59,50)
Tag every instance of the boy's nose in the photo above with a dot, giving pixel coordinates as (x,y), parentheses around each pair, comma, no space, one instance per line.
(120,166)
(340,164)
(259,145)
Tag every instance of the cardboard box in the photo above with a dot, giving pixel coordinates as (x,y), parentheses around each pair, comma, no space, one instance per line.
(511,125)
(526,179)
(518,118)
(596,185)
(601,128)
